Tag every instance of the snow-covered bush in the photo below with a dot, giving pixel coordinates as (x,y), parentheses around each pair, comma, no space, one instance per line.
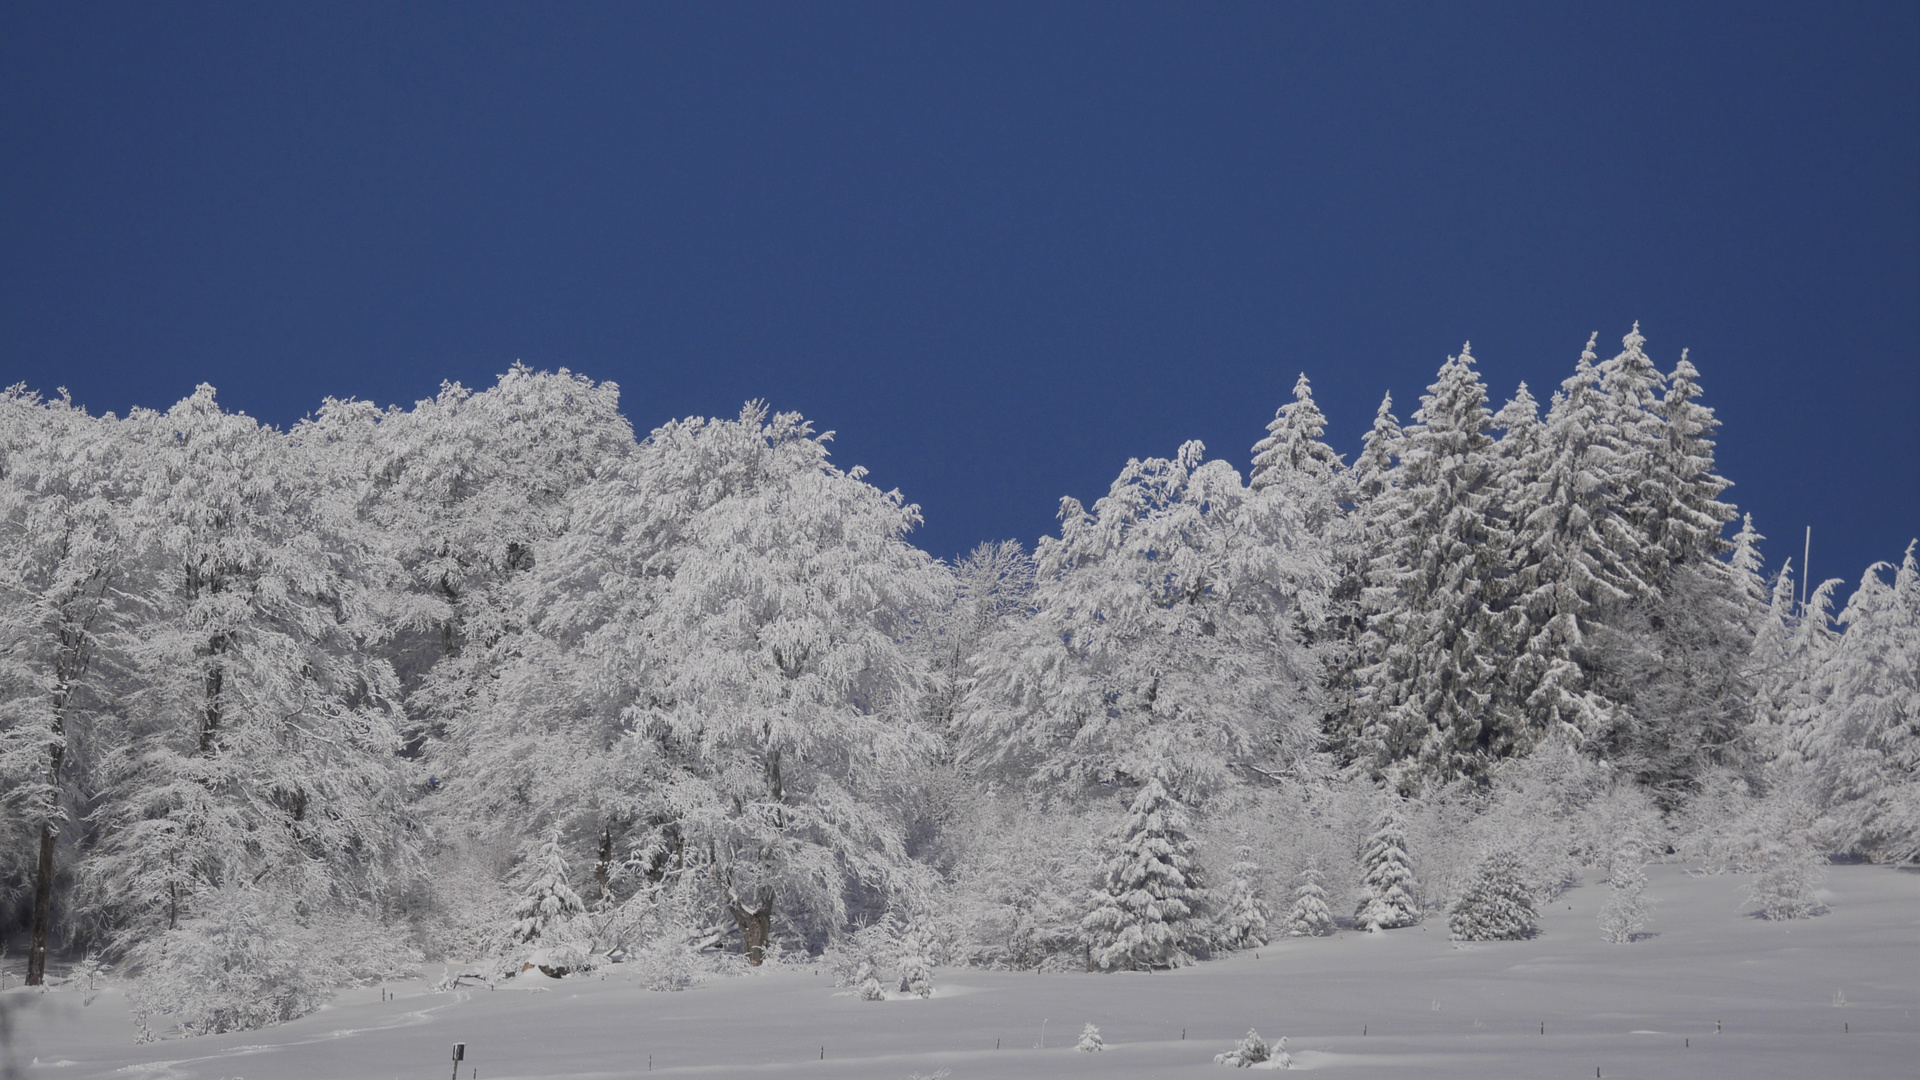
(242,960)
(1497,905)
(1023,884)
(1387,898)
(1625,912)
(1090,1040)
(1253,1050)
(869,985)
(1732,829)
(1789,875)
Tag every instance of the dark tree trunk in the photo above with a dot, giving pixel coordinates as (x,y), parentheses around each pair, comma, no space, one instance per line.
(42,908)
(756,924)
(604,868)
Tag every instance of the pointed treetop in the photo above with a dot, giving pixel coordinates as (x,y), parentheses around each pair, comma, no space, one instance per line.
(1377,450)
(1293,440)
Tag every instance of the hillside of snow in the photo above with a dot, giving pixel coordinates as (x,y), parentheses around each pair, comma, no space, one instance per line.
(1712,992)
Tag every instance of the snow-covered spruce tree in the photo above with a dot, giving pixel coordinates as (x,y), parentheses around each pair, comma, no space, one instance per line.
(544,927)
(1165,639)
(1362,534)
(1687,528)
(1497,904)
(1149,894)
(1387,885)
(1294,456)
(1243,910)
(1631,424)
(916,962)
(1859,749)
(1090,1040)
(1430,677)
(262,727)
(1682,683)
(1625,912)
(1577,556)
(64,488)
(1309,916)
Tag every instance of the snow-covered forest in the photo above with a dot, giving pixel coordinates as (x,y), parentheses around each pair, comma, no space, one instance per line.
(492,680)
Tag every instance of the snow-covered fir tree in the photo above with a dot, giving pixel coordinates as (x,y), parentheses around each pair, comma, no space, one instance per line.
(1362,533)
(548,907)
(1576,556)
(1309,916)
(1859,750)
(916,963)
(1294,457)
(1244,910)
(1430,678)
(1387,885)
(1148,895)
(1497,904)
(1090,1040)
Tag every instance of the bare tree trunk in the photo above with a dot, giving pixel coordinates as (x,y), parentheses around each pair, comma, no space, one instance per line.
(756,924)
(604,868)
(42,908)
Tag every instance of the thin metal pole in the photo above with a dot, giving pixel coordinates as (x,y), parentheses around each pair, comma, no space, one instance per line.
(1804,575)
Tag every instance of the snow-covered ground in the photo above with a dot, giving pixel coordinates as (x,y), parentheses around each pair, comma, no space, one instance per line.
(1713,993)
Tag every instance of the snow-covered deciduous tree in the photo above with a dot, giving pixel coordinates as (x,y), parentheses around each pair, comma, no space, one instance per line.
(1164,640)
(1149,894)
(262,721)
(741,614)
(1387,886)
(1309,916)
(64,487)
(241,960)
(1497,904)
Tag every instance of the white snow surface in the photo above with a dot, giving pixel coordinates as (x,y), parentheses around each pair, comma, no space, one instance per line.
(1781,993)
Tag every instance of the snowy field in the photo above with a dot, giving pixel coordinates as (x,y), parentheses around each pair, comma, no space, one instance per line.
(1713,993)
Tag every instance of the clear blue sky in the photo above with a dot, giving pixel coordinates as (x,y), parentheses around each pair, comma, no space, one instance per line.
(1000,249)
